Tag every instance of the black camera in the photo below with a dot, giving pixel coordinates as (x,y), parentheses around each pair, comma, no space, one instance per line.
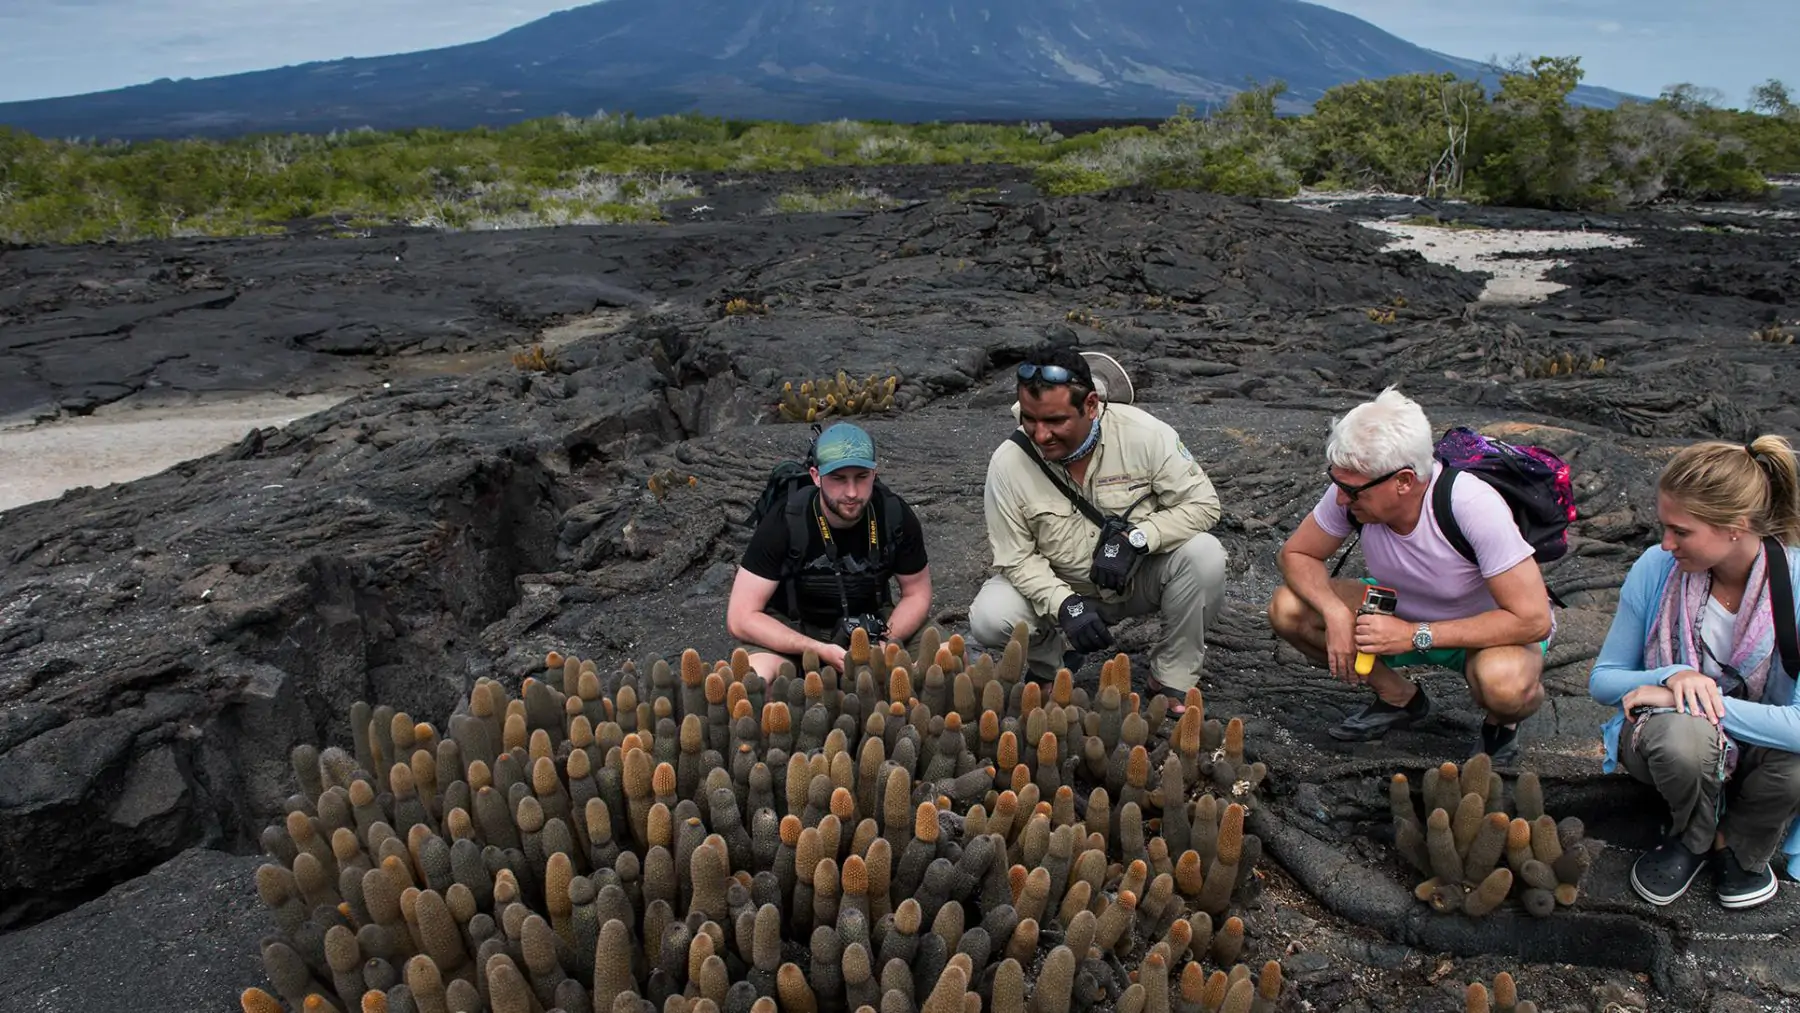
(1110,529)
(847,626)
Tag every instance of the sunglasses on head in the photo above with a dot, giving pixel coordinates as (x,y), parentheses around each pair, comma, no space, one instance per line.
(1354,491)
(1048,374)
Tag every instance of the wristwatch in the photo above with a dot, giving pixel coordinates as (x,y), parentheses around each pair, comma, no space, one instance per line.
(1422,637)
(1138,539)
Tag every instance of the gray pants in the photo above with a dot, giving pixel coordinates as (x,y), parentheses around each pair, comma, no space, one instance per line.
(1678,754)
(1185,585)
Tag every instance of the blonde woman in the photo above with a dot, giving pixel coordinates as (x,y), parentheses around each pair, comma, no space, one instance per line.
(1694,661)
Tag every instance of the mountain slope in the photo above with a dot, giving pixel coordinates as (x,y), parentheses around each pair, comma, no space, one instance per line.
(787,59)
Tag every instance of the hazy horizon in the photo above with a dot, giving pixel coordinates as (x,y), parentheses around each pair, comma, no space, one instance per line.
(67,47)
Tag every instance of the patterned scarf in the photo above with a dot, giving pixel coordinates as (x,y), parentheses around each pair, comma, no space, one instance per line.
(1675,633)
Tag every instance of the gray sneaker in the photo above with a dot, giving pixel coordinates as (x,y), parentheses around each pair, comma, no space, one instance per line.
(1379,717)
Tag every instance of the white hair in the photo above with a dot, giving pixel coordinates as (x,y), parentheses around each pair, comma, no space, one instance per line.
(1383,435)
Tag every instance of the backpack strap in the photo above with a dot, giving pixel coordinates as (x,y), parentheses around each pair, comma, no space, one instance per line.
(796,508)
(1781,599)
(890,514)
(1443,508)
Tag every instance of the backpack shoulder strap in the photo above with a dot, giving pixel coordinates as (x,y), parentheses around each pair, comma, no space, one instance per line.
(1443,508)
(890,512)
(795,508)
(1781,599)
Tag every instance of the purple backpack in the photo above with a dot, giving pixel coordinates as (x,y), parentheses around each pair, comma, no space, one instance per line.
(1534,482)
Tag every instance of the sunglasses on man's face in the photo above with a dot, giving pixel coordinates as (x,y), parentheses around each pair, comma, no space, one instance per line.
(1048,374)
(1354,491)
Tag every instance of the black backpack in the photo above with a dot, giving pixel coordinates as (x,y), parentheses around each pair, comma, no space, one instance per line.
(790,489)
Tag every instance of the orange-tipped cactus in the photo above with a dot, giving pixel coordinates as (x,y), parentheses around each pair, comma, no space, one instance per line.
(1506,991)
(1268,983)
(1188,875)
(925,823)
(1489,894)
(1231,835)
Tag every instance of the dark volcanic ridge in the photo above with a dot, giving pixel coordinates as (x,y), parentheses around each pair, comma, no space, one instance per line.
(164,644)
(790,60)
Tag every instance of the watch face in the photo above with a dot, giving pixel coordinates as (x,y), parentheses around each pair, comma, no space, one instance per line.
(1138,539)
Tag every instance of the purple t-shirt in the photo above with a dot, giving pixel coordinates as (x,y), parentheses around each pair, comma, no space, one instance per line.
(1434,582)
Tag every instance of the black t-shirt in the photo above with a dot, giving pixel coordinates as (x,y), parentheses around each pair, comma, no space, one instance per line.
(818,592)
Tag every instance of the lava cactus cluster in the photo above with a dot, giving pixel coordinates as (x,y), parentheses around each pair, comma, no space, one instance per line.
(931,835)
(1475,854)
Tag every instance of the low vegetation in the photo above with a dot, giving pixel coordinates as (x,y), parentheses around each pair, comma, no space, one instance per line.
(1435,135)
(843,198)
(1441,136)
(556,171)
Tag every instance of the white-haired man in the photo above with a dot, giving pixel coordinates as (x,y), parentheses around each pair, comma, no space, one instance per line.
(1490,619)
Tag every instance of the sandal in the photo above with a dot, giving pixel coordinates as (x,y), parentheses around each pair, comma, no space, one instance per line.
(1177,697)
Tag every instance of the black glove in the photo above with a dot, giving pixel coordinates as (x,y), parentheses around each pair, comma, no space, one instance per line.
(1115,560)
(1080,619)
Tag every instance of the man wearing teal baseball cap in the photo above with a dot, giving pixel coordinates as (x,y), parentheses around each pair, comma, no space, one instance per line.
(820,563)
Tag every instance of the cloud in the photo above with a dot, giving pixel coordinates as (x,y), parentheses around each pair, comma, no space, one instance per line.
(1609,27)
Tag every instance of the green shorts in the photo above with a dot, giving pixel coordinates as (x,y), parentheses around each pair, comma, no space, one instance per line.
(1454,658)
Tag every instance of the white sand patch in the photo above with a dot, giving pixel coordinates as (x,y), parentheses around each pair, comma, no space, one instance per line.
(1514,279)
(133,438)
(121,443)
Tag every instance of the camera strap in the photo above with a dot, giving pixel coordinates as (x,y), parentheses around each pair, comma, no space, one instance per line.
(831,552)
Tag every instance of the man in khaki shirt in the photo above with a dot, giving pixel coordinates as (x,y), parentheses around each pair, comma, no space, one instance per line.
(1056,570)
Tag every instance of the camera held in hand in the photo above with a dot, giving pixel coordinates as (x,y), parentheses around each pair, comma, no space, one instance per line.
(847,626)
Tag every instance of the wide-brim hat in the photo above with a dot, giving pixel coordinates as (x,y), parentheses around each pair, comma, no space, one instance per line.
(1110,379)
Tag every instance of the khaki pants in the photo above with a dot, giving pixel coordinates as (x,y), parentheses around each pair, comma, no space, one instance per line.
(1186,586)
(1678,754)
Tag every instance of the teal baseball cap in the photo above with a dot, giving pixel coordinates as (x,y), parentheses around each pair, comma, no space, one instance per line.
(844,446)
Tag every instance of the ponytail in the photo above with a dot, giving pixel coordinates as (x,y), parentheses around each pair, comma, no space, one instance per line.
(1754,484)
(1775,457)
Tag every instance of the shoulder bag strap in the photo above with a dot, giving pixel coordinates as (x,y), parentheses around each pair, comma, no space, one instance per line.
(1781,599)
(1081,503)
(1355,537)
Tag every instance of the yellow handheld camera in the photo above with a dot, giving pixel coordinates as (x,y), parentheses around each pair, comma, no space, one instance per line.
(1381,601)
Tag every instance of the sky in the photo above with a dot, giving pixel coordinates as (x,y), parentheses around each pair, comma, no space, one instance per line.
(1634,46)
(64,47)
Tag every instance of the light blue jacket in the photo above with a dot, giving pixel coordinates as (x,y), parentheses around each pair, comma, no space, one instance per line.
(1774,722)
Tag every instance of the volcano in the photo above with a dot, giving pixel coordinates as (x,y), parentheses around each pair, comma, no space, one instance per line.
(798,60)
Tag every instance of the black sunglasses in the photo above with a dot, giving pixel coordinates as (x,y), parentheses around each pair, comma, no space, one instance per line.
(1354,491)
(1048,374)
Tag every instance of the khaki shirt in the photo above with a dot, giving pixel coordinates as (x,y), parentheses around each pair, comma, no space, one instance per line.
(1044,546)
